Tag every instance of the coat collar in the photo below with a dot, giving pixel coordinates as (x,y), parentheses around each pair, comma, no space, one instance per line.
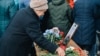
(58,2)
(31,12)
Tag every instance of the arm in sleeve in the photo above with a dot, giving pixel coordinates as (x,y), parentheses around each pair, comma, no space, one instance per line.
(69,14)
(33,30)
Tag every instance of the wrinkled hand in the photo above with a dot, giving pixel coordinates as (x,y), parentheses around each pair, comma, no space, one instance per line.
(60,51)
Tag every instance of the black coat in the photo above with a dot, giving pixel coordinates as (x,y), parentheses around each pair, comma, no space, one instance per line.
(23,30)
(97,13)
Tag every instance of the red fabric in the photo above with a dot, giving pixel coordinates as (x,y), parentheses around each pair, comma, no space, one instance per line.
(71,3)
(63,46)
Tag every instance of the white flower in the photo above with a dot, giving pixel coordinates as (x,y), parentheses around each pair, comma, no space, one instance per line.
(55,29)
(51,31)
(70,48)
(57,34)
(47,31)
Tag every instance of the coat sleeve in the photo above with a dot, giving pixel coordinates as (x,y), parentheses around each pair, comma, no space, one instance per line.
(33,30)
(69,14)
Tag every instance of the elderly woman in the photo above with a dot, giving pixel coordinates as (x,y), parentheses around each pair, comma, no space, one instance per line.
(24,29)
(97,13)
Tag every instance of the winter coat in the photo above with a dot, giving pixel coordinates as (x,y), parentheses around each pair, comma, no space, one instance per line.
(84,17)
(7,11)
(23,30)
(59,15)
(97,13)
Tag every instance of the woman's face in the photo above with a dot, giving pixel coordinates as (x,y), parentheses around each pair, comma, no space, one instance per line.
(40,12)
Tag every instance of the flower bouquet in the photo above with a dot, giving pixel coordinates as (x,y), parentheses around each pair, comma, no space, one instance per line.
(72,51)
(56,36)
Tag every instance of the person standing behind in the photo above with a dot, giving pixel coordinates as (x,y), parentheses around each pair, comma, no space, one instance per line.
(24,29)
(97,20)
(59,15)
(85,36)
(7,11)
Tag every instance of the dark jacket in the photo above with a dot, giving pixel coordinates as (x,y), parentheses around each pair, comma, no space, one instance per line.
(97,13)
(23,30)
(59,15)
(84,16)
(7,11)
